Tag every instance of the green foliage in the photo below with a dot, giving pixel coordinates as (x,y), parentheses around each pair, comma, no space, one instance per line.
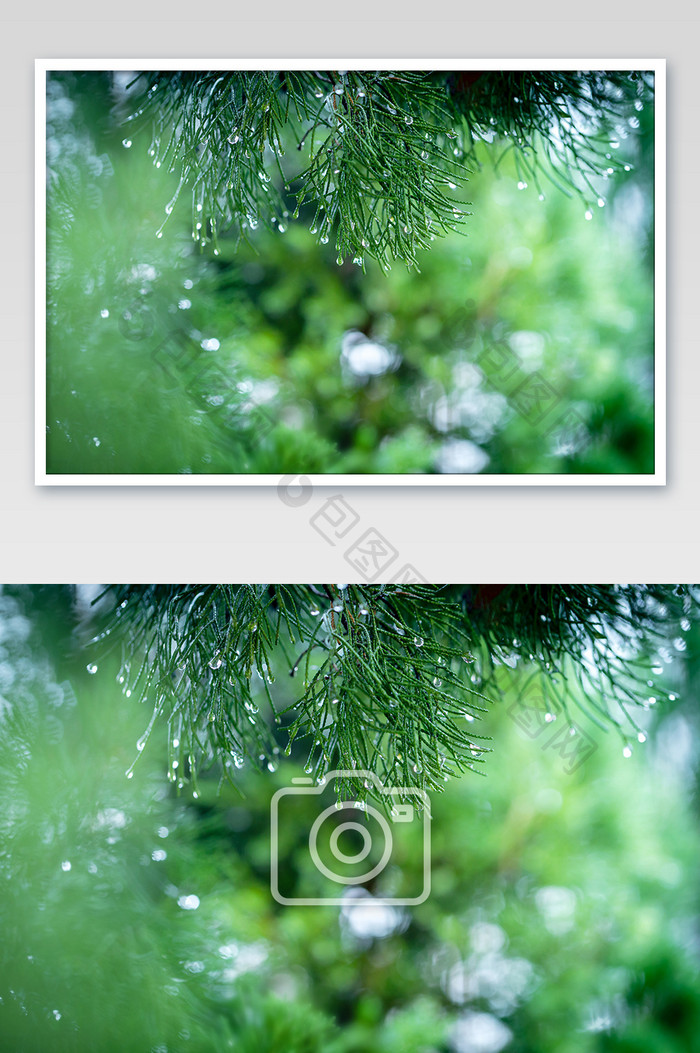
(382,145)
(564,125)
(560,918)
(161,359)
(379,678)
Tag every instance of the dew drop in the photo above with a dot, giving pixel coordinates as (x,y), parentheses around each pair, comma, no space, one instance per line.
(418,641)
(627,751)
(104,313)
(589,214)
(126,143)
(66,865)
(92,668)
(641,737)
(522,185)
(216,662)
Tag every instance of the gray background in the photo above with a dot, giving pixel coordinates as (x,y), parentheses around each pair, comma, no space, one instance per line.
(244,533)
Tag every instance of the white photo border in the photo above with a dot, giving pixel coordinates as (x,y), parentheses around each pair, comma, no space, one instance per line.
(657,478)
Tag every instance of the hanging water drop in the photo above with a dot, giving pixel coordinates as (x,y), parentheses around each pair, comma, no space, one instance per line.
(418,641)
(92,668)
(627,751)
(216,662)
(126,143)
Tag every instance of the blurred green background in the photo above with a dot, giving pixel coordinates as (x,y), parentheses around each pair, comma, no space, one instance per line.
(524,346)
(563,914)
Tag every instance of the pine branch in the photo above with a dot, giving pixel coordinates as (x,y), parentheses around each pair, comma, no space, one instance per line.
(380,157)
(377,678)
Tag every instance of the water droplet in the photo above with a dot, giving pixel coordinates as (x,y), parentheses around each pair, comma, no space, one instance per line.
(57,1015)
(216,662)
(641,737)
(671,698)
(589,214)
(418,641)
(126,143)
(339,258)
(437,681)
(129,774)
(66,865)
(601,203)
(324,239)
(281,229)
(334,701)
(541,197)
(159,234)
(408,119)
(309,768)
(271,766)
(549,717)
(522,185)
(627,751)
(104,313)
(92,668)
